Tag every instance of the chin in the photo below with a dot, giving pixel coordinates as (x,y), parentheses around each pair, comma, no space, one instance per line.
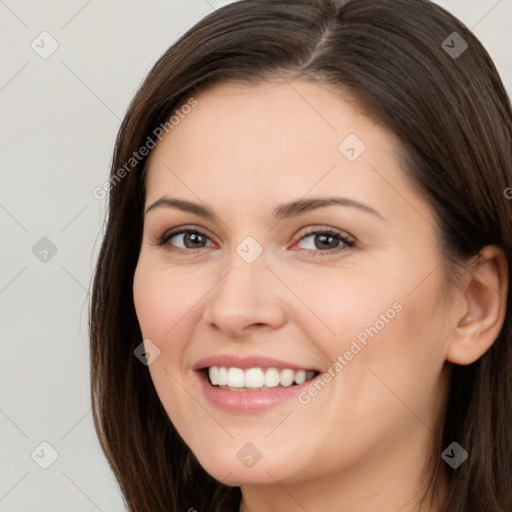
(231,469)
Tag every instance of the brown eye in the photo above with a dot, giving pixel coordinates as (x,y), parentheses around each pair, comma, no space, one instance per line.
(192,240)
(326,241)
(184,239)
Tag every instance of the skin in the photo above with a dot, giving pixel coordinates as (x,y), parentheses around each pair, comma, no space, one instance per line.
(361,443)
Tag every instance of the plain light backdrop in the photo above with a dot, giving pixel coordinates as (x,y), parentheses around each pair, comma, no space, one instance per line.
(60,113)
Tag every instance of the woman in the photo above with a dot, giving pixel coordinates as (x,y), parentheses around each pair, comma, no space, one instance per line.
(302,300)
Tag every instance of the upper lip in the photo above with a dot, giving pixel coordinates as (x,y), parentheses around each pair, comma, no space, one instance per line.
(232,361)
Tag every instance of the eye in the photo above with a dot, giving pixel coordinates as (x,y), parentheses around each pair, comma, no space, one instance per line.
(326,241)
(188,238)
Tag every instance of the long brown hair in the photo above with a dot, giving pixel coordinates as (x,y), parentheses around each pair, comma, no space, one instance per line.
(453,119)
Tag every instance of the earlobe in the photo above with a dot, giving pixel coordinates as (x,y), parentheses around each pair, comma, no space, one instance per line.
(485,299)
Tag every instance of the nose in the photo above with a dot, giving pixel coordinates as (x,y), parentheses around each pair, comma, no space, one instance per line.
(246,299)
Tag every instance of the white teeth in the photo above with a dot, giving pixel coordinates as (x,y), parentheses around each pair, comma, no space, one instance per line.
(300,377)
(214,375)
(236,378)
(255,378)
(223,376)
(286,377)
(272,378)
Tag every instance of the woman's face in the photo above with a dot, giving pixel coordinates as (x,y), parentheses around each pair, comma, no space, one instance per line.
(350,293)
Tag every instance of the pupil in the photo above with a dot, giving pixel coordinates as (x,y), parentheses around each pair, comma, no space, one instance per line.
(323,238)
(193,237)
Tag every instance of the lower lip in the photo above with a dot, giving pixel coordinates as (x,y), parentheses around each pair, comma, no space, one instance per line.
(248,401)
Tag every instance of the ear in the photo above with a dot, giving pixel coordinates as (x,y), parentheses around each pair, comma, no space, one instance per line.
(485,300)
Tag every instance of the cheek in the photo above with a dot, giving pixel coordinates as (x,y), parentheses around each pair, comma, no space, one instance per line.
(149,298)
(162,300)
(373,322)
(402,365)
(343,304)
(159,310)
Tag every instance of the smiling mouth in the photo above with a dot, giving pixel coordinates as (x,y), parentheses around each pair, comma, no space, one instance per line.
(256,379)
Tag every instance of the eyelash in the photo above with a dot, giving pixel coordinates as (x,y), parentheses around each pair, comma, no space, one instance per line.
(164,239)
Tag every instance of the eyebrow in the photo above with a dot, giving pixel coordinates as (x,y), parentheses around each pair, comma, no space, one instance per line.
(283,211)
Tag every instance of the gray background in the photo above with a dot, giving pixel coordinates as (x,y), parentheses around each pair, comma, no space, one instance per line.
(59,119)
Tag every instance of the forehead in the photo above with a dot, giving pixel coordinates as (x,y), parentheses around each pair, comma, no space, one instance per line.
(280,114)
(277,141)
(294,120)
